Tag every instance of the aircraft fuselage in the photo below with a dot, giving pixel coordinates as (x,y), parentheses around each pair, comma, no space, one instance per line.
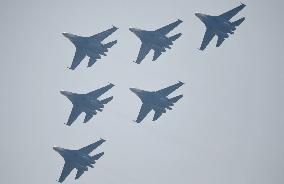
(155,40)
(220,26)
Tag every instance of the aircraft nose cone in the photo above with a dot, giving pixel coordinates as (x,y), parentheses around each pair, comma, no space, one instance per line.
(55,148)
(65,34)
(134,30)
(68,35)
(197,15)
(134,90)
(200,16)
(131,29)
(65,93)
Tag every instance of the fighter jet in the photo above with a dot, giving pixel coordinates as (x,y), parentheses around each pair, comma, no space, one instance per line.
(219,25)
(156,40)
(156,100)
(78,159)
(90,46)
(87,103)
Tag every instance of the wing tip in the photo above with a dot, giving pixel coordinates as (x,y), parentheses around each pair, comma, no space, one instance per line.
(114,27)
(135,121)
(111,84)
(67,124)
(70,68)
(242,4)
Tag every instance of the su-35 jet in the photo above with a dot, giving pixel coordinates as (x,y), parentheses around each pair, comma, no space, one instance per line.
(90,46)
(156,100)
(156,40)
(219,25)
(87,103)
(78,159)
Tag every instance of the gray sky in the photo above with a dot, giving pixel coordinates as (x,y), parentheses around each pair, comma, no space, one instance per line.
(228,128)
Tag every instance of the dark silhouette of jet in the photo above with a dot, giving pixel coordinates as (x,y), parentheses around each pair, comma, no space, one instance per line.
(90,46)
(219,25)
(78,159)
(156,40)
(87,103)
(156,100)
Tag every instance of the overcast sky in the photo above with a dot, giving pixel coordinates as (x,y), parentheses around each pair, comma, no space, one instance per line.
(228,128)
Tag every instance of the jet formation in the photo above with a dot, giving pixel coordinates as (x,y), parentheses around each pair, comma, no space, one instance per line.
(156,100)
(219,25)
(156,40)
(87,103)
(78,159)
(90,46)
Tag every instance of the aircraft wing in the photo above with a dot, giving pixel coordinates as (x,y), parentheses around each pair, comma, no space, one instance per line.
(144,50)
(103,35)
(65,171)
(220,41)
(79,174)
(74,115)
(156,55)
(166,29)
(168,90)
(79,56)
(98,92)
(208,36)
(157,115)
(88,117)
(145,109)
(92,61)
(88,149)
(229,14)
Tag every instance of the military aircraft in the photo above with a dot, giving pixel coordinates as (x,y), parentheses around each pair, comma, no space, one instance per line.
(87,103)
(219,25)
(78,159)
(156,100)
(156,40)
(90,46)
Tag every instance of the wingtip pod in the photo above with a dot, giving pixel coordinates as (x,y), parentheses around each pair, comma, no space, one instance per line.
(67,124)
(102,140)
(179,20)
(136,62)
(135,121)
(111,84)
(242,4)
(114,27)
(70,68)
(182,83)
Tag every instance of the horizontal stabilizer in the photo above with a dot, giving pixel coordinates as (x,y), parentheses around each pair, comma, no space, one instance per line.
(107,100)
(173,38)
(157,115)
(98,156)
(88,117)
(238,22)
(110,44)
(175,99)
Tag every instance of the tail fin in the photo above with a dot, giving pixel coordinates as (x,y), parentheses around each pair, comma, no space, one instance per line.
(98,156)
(107,100)
(175,99)
(110,44)
(173,38)
(238,22)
